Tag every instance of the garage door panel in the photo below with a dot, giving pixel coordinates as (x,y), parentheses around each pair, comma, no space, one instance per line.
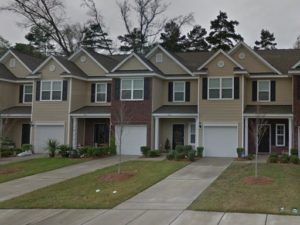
(220,141)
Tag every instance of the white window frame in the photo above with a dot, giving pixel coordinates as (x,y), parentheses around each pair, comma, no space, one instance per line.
(159,58)
(97,92)
(184,85)
(282,135)
(258,91)
(190,134)
(12,63)
(24,93)
(220,88)
(132,89)
(51,91)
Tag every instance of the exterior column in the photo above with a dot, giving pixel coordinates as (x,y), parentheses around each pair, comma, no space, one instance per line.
(290,134)
(1,127)
(197,132)
(156,133)
(246,135)
(75,130)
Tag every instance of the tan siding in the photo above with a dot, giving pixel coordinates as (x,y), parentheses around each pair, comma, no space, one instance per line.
(79,94)
(251,63)
(19,70)
(13,130)
(227,70)
(9,95)
(132,64)
(157,93)
(168,66)
(284,94)
(46,74)
(88,96)
(89,67)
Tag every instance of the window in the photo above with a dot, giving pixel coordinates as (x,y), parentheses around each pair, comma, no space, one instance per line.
(12,63)
(51,90)
(192,138)
(280,135)
(179,91)
(159,58)
(263,89)
(220,88)
(27,93)
(101,90)
(132,89)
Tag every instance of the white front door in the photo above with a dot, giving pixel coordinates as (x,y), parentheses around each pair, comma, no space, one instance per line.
(133,137)
(220,141)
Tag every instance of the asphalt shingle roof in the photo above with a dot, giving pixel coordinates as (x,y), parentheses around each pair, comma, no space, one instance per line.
(93,110)
(17,110)
(268,109)
(75,70)
(5,73)
(31,61)
(177,109)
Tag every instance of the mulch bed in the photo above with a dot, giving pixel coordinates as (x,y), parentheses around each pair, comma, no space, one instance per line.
(9,170)
(123,176)
(257,180)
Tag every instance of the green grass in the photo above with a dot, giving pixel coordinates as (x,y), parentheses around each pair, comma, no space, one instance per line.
(29,167)
(229,194)
(80,192)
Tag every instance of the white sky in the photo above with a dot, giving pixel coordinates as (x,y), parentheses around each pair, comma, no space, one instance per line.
(280,17)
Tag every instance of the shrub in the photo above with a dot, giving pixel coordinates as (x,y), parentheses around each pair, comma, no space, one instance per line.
(191,155)
(74,153)
(294,151)
(83,151)
(167,145)
(26,147)
(145,150)
(179,148)
(17,151)
(294,159)
(154,153)
(250,156)
(98,152)
(187,148)
(52,146)
(179,155)
(273,158)
(6,153)
(240,152)
(284,158)
(171,155)
(64,150)
(200,151)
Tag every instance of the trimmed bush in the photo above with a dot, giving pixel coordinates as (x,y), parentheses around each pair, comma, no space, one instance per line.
(145,150)
(154,153)
(187,148)
(26,147)
(250,157)
(200,151)
(284,158)
(273,158)
(171,155)
(74,153)
(167,145)
(294,151)
(179,148)
(294,159)
(179,155)
(240,152)
(64,150)
(191,155)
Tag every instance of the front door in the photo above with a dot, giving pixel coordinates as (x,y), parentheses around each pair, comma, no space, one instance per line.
(264,144)
(178,135)
(101,134)
(25,134)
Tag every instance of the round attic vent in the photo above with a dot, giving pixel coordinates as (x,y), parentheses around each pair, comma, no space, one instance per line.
(83,59)
(221,64)
(242,55)
(52,68)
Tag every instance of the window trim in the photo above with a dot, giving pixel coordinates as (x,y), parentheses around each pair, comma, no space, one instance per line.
(51,91)
(220,88)
(190,133)
(282,135)
(184,91)
(96,97)
(159,58)
(132,89)
(24,93)
(269,96)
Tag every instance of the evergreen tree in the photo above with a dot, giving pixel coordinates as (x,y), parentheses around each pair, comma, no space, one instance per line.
(27,49)
(267,41)
(196,40)
(133,41)
(172,39)
(223,35)
(95,38)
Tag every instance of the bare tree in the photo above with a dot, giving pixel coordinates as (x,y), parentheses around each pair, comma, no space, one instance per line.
(297,43)
(73,35)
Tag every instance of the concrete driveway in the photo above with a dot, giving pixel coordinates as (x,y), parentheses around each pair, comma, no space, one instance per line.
(180,189)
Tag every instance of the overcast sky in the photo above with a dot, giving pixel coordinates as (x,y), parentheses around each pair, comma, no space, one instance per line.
(280,17)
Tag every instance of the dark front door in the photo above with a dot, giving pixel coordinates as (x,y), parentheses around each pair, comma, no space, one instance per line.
(264,145)
(101,134)
(178,135)
(25,134)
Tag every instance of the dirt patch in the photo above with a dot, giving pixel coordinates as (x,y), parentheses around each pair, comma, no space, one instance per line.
(123,176)
(257,180)
(9,170)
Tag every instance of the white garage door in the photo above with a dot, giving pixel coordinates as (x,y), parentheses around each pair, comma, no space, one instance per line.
(133,138)
(220,141)
(45,132)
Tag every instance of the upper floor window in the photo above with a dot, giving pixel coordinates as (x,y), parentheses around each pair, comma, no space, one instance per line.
(179,91)
(132,89)
(220,88)
(51,90)
(101,92)
(280,135)
(263,90)
(27,93)
(159,58)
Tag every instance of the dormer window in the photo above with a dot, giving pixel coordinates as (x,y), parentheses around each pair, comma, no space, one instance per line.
(159,58)
(12,63)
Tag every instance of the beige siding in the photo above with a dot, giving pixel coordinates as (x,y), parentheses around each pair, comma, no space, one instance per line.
(168,66)
(251,63)
(9,95)
(227,70)
(13,130)
(46,74)
(284,93)
(132,64)
(79,94)
(157,93)
(19,70)
(89,67)
(88,96)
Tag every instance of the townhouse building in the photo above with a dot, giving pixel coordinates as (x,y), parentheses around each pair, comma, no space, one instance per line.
(209,99)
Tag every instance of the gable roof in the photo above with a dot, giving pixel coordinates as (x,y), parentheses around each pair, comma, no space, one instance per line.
(5,73)
(258,56)
(215,55)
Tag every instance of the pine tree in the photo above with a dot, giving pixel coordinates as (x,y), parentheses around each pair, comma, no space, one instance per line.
(223,35)
(134,41)
(172,39)
(267,41)
(196,40)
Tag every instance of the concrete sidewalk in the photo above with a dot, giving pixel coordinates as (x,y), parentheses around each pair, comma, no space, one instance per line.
(139,217)
(24,185)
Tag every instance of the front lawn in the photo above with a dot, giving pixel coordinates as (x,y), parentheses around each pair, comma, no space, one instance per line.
(230,194)
(80,192)
(29,167)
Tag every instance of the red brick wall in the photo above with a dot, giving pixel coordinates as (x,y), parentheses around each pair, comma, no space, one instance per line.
(89,129)
(296,110)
